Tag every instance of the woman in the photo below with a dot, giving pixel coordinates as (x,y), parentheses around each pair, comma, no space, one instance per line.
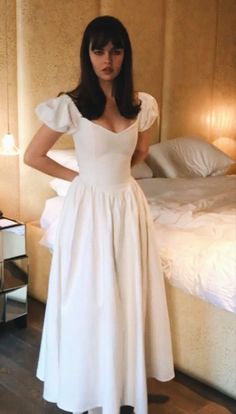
(106,326)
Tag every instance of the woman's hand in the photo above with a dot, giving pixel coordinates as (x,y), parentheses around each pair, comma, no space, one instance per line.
(36,154)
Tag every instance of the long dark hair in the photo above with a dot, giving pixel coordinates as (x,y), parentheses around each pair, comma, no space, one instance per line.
(88,95)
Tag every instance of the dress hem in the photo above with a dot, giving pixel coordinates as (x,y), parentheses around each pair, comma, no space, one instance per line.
(73,410)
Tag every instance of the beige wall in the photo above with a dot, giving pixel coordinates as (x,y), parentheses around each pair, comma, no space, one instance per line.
(199,86)
(184,54)
(9,166)
(48,62)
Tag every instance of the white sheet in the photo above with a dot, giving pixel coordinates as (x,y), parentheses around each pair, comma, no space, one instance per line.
(196,233)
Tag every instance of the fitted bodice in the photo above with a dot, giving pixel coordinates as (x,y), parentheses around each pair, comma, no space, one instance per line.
(104,157)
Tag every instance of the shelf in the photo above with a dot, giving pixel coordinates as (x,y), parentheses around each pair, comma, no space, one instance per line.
(13,304)
(12,241)
(14,273)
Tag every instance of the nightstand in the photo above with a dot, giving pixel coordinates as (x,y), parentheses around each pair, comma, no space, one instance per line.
(13,272)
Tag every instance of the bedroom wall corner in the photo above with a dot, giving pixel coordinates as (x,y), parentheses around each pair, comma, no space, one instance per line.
(9,166)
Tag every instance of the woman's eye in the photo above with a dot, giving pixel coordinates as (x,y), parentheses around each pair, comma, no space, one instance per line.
(98,52)
(117,51)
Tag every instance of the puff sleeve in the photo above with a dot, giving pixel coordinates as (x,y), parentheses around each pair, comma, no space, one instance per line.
(149,111)
(59,114)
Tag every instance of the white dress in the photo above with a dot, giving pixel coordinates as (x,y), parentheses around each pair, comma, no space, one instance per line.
(106,325)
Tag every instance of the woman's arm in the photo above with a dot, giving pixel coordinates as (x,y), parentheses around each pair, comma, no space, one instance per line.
(141,150)
(35,155)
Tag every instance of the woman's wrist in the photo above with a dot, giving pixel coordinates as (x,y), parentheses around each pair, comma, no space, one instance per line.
(74,175)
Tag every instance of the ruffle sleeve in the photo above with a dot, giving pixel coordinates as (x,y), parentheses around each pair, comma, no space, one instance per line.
(149,111)
(59,114)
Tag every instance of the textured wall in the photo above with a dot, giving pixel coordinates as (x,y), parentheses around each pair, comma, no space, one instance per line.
(199,88)
(224,80)
(48,62)
(188,66)
(184,54)
(9,174)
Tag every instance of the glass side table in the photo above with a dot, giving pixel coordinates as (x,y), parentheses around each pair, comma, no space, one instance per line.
(13,272)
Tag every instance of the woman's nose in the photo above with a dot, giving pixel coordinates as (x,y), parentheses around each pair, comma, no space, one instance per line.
(108,56)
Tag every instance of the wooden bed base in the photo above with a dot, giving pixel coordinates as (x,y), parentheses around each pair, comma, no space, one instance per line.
(203,336)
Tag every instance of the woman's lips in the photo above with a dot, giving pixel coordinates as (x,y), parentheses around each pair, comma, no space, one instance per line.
(107,70)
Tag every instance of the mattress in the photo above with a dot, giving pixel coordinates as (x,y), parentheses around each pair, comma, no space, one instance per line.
(195,221)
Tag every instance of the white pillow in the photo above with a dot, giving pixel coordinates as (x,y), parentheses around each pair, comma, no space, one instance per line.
(187,157)
(60,186)
(141,170)
(67,157)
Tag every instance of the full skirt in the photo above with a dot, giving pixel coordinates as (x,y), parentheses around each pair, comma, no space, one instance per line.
(106,327)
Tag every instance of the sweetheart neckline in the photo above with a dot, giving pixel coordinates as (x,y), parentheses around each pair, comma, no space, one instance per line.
(109,130)
(105,129)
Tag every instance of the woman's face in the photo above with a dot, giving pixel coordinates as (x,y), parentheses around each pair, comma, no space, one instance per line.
(106,62)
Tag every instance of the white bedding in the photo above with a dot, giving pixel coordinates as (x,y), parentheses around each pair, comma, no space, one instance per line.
(196,233)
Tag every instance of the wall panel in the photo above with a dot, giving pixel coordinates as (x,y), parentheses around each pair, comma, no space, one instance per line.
(48,62)
(188,67)
(9,167)
(223,118)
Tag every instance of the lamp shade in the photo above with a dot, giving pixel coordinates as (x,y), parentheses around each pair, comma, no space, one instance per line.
(8,146)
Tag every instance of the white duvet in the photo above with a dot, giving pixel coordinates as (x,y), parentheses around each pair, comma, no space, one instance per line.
(195,221)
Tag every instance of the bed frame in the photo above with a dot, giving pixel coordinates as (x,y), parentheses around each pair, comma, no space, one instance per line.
(204,336)
(204,340)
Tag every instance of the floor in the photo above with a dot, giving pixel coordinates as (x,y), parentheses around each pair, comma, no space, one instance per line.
(21,392)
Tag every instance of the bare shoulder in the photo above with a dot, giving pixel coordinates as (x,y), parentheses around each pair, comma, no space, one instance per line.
(137,100)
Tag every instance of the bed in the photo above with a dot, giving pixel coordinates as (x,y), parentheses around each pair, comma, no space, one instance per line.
(195,220)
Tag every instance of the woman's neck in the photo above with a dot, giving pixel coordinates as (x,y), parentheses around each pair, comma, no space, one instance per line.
(107,88)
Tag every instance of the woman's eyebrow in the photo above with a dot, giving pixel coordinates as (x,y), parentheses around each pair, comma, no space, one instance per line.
(103,47)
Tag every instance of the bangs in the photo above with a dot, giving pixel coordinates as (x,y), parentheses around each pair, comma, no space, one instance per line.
(100,40)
